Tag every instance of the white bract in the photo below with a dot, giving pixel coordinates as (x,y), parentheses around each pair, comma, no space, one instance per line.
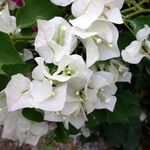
(118,69)
(16,127)
(73,111)
(54,39)
(100,41)
(72,68)
(138,49)
(88,11)
(100,92)
(7,22)
(36,93)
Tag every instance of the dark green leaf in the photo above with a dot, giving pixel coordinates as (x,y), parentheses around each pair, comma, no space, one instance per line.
(97,117)
(14,69)
(3,81)
(62,134)
(33,114)
(8,53)
(127,107)
(34,9)
(126,135)
(139,22)
(125,39)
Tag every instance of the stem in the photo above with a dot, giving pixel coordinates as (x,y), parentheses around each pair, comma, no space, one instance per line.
(134,8)
(19,38)
(128,28)
(137,12)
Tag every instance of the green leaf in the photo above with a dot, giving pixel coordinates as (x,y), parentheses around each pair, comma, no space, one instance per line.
(33,114)
(97,117)
(34,9)
(3,81)
(127,107)
(139,22)
(14,69)
(125,39)
(125,135)
(8,53)
(62,134)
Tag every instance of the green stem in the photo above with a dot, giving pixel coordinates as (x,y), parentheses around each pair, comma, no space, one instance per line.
(19,38)
(137,12)
(129,28)
(135,7)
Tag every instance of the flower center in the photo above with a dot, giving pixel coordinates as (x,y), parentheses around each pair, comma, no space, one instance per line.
(99,40)
(69,71)
(102,97)
(80,94)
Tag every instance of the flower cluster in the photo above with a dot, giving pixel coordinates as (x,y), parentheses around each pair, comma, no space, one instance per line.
(67,85)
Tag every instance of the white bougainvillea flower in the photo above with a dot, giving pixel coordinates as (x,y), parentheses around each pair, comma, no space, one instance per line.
(143,34)
(7,22)
(16,127)
(112,12)
(106,10)
(100,92)
(16,90)
(54,39)
(138,49)
(39,94)
(120,71)
(100,41)
(77,119)
(133,53)
(73,111)
(73,68)
(82,10)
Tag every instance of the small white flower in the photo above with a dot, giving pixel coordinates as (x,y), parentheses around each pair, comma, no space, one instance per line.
(39,94)
(100,41)
(138,49)
(16,90)
(16,127)
(106,10)
(7,22)
(54,39)
(72,68)
(120,71)
(133,53)
(100,92)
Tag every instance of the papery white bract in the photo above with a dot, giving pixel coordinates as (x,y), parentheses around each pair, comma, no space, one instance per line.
(138,49)
(88,11)
(7,22)
(62,2)
(120,71)
(100,92)
(38,94)
(17,90)
(100,41)
(54,39)
(16,127)
(103,10)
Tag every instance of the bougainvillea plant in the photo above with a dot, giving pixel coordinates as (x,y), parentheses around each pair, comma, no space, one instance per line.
(81,65)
